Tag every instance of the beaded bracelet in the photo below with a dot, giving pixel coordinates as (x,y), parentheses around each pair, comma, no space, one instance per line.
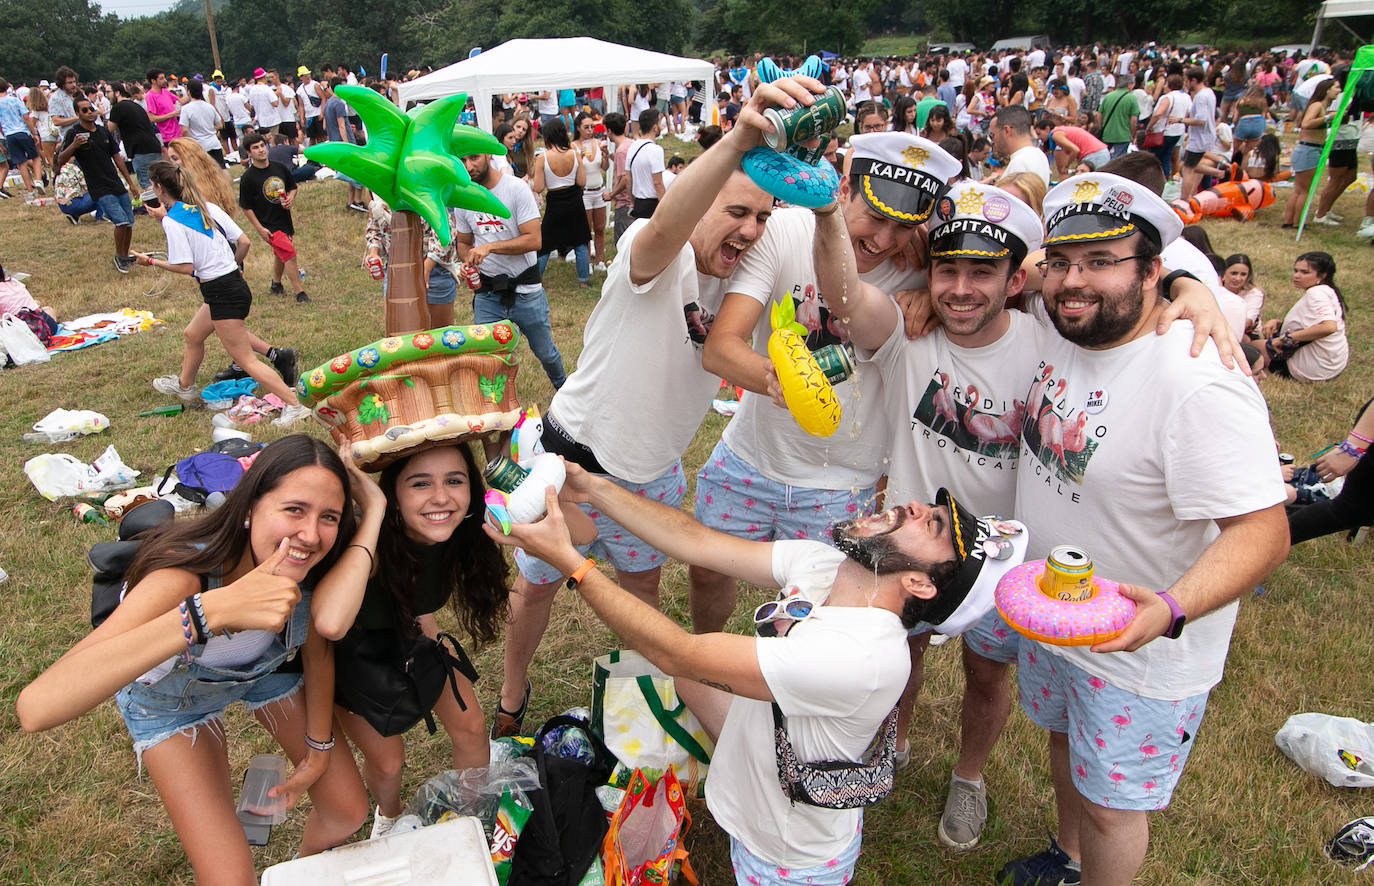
(321,746)
(186,624)
(1349,450)
(1361,437)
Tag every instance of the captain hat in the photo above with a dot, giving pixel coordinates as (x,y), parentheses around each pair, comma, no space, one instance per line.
(901,176)
(980,221)
(1099,206)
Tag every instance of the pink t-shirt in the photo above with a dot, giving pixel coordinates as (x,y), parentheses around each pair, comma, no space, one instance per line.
(14,296)
(1080,138)
(163,102)
(624,199)
(1325,358)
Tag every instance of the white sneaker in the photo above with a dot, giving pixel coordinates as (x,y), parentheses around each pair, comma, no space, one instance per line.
(570,258)
(1326,220)
(381,825)
(1366,230)
(293,413)
(600,266)
(1335,216)
(170,384)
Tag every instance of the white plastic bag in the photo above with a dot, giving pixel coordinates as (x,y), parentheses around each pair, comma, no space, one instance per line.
(66,424)
(109,472)
(1338,749)
(56,475)
(18,339)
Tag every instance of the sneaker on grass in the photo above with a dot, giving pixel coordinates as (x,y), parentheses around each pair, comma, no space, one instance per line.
(966,811)
(122,263)
(1051,867)
(276,288)
(293,413)
(231,372)
(170,384)
(302,298)
(381,824)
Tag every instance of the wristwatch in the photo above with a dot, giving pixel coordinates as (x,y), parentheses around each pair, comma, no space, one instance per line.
(1179,617)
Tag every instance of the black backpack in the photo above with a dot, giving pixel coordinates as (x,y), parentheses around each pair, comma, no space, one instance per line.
(111,559)
(563,836)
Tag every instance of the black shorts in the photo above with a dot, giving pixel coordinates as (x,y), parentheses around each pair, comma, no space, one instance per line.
(288,129)
(1192,158)
(1343,158)
(218,156)
(228,297)
(226,131)
(644,207)
(314,127)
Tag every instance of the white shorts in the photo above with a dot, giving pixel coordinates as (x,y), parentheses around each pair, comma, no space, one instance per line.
(592,198)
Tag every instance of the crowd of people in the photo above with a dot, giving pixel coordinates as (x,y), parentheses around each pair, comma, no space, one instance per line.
(1084,342)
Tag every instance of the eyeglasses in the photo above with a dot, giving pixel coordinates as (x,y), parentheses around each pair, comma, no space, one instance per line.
(1058,267)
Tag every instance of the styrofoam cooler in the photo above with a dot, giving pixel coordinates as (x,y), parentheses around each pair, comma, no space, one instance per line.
(454,853)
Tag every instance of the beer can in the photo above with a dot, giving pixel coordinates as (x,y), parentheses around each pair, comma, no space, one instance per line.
(1068,575)
(1285,458)
(504,474)
(473,277)
(804,123)
(835,362)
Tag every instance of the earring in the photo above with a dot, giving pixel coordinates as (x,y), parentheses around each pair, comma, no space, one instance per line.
(245,523)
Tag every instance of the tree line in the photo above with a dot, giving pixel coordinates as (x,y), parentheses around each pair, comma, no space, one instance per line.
(38,35)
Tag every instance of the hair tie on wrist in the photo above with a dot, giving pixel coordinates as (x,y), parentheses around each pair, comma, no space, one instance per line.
(321,746)
(372,561)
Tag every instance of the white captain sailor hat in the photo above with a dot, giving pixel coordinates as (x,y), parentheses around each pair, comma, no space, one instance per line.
(901,176)
(1098,206)
(980,221)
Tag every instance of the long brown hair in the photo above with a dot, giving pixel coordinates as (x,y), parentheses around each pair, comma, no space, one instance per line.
(219,539)
(478,593)
(205,173)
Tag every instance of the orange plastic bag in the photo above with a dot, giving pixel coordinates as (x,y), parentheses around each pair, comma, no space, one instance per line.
(644,843)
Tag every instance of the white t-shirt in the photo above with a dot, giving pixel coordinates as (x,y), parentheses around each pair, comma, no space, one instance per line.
(1155,446)
(1306,88)
(1034,59)
(1180,103)
(547,104)
(767,436)
(958,70)
(1028,159)
(484,228)
(975,453)
(1123,63)
(642,345)
(1181,255)
(261,96)
(835,676)
(201,124)
(1203,137)
(213,256)
(286,112)
(304,93)
(237,102)
(638,104)
(861,80)
(1076,87)
(1324,358)
(645,157)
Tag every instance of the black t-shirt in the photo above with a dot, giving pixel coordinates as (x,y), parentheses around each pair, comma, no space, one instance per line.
(261,190)
(135,129)
(96,159)
(432,590)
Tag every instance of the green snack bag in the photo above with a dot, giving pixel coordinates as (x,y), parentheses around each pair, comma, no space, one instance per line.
(595,876)
(510,821)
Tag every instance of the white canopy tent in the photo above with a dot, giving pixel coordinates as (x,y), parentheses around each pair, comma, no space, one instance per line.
(562,63)
(1339,9)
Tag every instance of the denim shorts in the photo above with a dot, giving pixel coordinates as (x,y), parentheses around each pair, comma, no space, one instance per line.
(192,695)
(1249,127)
(1096,158)
(1126,751)
(1305,156)
(20,147)
(117,209)
(443,288)
(752,870)
(733,497)
(614,543)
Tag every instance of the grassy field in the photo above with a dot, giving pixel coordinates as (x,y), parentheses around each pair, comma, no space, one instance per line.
(73,809)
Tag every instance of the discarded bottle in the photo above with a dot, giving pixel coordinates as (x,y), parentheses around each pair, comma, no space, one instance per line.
(88,514)
(169,409)
(50,437)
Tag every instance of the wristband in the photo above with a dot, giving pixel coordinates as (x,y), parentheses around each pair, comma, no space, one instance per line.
(580,573)
(198,617)
(1361,437)
(370,559)
(186,624)
(321,746)
(1169,282)
(1350,450)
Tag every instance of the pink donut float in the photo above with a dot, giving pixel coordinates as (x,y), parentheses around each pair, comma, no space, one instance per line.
(1031,612)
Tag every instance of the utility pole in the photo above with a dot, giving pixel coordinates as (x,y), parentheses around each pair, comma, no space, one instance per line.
(214,44)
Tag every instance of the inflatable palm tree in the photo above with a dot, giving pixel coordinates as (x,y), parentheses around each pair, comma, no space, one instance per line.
(414,162)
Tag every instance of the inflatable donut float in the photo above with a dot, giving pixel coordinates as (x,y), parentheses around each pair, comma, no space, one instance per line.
(407,392)
(1031,612)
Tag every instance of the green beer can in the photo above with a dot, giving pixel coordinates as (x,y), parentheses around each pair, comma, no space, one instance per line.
(803,124)
(504,474)
(835,362)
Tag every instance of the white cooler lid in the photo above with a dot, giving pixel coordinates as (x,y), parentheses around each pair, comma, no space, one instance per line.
(454,853)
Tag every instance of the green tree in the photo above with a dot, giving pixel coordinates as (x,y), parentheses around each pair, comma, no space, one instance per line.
(178,42)
(39,35)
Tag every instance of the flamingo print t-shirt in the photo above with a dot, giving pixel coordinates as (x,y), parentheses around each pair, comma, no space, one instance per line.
(766,436)
(956,414)
(1132,453)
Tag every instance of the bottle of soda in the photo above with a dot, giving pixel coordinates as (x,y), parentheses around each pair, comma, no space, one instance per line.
(88,514)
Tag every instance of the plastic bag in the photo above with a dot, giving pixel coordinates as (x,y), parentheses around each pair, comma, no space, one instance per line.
(476,792)
(66,424)
(18,339)
(109,473)
(56,475)
(1338,749)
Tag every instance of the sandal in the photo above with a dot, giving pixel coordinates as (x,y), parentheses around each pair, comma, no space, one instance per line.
(508,723)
